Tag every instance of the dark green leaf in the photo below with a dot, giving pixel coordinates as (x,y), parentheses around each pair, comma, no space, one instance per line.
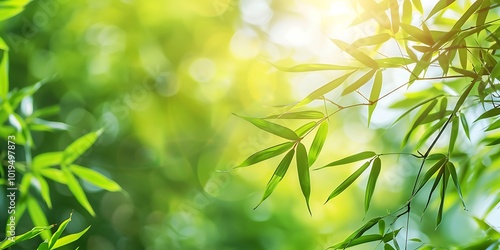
(76,189)
(356,54)
(443,193)
(298,115)
(434,186)
(375,94)
(352,158)
(495,72)
(302,130)
(465,125)
(431,172)
(78,147)
(454,177)
(361,240)
(388,247)
(414,107)
(420,119)
(453,134)
(461,21)
(490,113)
(372,181)
(95,178)
(303,172)
(494,125)
(359,83)
(318,142)
(462,54)
(493,143)
(466,73)
(390,236)
(483,13)
(266,154)
(345,184)
(444,62)
(381,226)
(279,173)
(272,128)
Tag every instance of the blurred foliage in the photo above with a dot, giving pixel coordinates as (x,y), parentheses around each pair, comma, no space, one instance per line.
(162,79)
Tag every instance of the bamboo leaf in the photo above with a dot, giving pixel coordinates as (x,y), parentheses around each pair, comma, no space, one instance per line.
(444,62)
(54,174)
(443,193)
(303,172)
(356,54)
(381,226)
(359,83)
(298,115)
(95,178)
(436,183)
(314,67)
(76,189)
(266,154)
(375,94)
(394,16)
(324,90)
(462,54)
(483,13)
(418,5)
(418,34)
(78,147)
(44,190)
(358,241)
(37,216)
(420,119)
(46,160)
(495,72)
(490,113)
(272,128)
(465,125)
(407,12)
(63,241)
(25,236)
(453,134)
(377,12)
(367,226)
(471,10)
(348,181)
(279,173)
(59,232)
(494,125)
(456,182)
(372,181)
(414,107)
(431,172)
(302,130)
(318,142)
(421,65)
(350,159)
(372,40)
(442,4)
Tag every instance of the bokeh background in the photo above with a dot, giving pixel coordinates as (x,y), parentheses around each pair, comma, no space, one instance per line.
(164,77)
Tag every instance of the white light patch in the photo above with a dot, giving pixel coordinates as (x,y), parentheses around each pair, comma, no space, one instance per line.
(256,12)
(202,70)
(245,44)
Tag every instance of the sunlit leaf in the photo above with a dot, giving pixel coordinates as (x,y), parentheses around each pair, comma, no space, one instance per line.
(353,158)
(266,154)
(46,160)
(345,184)
(324,90)
(470,11)
(375,94)
(372,181)
(418,34)
(44,190)
(37,216)
(414,107)
(279,173)
(418,5)
(442,4)
(25,236)
(298,115)
(95,178)
(421,65)
(359,83)
(303,172)
(318,142)
(377,12)
(78,147)
(361,240)
(10,8)
(76,189)
(356,54)
(272,128)
(394,16)
(58,233)
(54,174)
(46,111)
(407,12)
(444,62)
(302,130)
(372,40)
(63,241)
(456,182)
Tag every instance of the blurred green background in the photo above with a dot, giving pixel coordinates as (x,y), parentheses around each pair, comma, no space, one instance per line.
(164,77)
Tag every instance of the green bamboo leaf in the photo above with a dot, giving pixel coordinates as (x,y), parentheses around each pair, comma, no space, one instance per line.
(482,13)
(465,125)
(418,5)
(279,173)
(372,40)
(442,4)
(324,90)
(418,34)
(350,159)
(266,154)
(420,119)
(444,62)
(494,125)
(367,226)
(78,147)
(421,48)
(490,113)
(358,241)
(388,247)
(43,125)
(470,11)
(54,174)
(421,65)
(95,178)
(302,130)
(46,160)
(494,142)
(303,172)
(430,131)
(381,226)
(434,186)
(359,83)
(318,142)
(76,189)
(375,94)
(394,16)
(58,233)
(394,62)
(391,235)
(431,172)
(37,216)
(414,107)
(462,54)
(356,54)
(495,72)
(453,134)
(43,246)
(63,241)
(272,128)
(11,8)
(4,70)
(25,236)
(44,190)
(345,184)
(456,182)
(314,67)
(372,181)
(443,193)
(46,112)
(407,12)
(298,115)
